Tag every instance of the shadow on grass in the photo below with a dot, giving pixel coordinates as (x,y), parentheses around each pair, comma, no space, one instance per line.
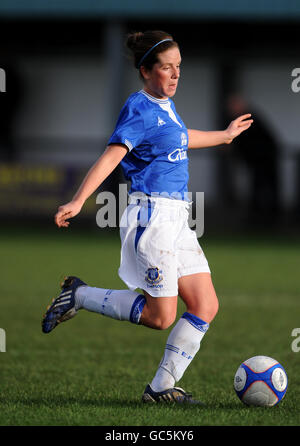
(60,401)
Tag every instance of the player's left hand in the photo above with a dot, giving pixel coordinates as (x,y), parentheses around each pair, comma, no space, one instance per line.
(238,126)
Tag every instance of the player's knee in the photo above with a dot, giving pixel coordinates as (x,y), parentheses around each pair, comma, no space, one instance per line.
(211,309)
(214,308)
(206,310)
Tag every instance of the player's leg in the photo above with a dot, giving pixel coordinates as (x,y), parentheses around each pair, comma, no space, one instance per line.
(124,305)
(76,295)
(184,341)
(159,312)
(198,293)
(129,305)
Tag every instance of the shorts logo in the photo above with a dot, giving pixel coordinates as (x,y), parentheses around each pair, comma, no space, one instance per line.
(153,276)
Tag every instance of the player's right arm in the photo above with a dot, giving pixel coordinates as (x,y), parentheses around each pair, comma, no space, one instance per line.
(102,168)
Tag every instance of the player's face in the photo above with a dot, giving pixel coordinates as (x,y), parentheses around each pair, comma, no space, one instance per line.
(162,80)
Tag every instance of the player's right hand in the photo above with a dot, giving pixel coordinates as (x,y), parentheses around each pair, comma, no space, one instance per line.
(65,212)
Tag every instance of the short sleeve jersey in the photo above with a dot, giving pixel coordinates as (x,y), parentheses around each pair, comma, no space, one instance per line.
(157,140)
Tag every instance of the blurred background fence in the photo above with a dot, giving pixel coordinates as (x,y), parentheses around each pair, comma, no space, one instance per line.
(67,74)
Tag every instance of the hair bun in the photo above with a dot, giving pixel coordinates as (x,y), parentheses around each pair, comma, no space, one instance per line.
(133,40)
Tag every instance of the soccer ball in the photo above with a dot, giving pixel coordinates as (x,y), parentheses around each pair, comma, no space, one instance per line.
(260,381)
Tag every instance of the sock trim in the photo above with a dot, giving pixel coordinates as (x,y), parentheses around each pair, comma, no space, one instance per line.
(196,322)
(137,308)
(173,348)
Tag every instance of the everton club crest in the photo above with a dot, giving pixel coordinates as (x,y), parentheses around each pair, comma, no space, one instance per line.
(153,276)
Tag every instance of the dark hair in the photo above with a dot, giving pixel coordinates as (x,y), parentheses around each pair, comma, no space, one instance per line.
(141,42)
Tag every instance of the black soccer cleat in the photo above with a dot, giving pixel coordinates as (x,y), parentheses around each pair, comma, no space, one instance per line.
(63,307)
(173,395)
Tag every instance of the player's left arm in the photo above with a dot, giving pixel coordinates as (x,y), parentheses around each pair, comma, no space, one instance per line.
(199,139)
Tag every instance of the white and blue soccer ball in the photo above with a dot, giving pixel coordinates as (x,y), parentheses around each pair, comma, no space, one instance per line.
(260,381)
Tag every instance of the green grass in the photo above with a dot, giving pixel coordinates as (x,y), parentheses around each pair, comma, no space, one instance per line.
(93,370)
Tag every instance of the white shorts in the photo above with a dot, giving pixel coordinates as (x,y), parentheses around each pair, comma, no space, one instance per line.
(158,246)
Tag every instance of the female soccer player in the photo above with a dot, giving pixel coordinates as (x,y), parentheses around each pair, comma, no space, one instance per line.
(160,254)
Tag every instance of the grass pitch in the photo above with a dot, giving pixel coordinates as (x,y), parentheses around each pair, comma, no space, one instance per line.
(92,370)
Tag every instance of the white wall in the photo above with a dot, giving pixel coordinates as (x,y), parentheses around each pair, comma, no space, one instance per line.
(69,99)
(267,85)
(64,98)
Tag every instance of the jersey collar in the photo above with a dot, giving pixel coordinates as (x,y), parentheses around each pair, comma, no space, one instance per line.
(153,99)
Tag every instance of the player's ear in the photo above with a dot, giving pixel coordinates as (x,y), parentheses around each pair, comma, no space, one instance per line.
(144,72)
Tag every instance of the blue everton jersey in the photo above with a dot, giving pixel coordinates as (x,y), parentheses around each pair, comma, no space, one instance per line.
(157,140)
